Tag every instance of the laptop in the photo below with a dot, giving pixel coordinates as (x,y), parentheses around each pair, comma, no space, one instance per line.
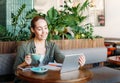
(71,62)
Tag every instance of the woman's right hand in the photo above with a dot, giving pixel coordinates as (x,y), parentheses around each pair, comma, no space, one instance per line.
(82,60)
(28,59)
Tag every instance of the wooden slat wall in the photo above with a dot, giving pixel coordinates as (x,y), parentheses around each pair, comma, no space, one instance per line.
(8,47)
(79,43)
(11,47)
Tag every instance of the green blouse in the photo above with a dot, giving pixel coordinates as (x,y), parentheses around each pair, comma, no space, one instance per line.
(52,53)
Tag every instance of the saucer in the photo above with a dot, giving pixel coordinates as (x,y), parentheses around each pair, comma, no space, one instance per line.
(39,70)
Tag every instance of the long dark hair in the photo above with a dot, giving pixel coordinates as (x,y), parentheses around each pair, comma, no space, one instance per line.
(33,21)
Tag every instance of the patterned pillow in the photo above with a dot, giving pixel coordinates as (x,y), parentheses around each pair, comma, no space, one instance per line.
(6,63)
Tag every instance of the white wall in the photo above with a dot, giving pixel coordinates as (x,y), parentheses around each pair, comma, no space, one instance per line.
(44,5)
(112,20)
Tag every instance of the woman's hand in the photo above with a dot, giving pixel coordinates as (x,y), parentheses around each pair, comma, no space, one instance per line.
(82,60)
(28,59)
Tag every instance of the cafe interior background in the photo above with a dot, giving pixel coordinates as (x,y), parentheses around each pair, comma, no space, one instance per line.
(111,15)
(108,9)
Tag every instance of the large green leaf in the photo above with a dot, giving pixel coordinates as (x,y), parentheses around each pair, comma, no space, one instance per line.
(85,5)
(52,15)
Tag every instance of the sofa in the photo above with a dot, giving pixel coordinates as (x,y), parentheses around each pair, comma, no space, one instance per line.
(94,56)
(6,67)
(101,74)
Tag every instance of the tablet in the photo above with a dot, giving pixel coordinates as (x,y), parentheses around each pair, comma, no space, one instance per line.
(71,62)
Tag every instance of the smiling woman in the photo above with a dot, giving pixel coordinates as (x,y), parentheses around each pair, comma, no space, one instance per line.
(39,45)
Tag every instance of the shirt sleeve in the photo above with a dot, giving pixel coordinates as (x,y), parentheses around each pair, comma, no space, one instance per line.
(20,56)
(59,56)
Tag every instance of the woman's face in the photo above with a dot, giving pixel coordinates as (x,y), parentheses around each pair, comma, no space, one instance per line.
(40,30)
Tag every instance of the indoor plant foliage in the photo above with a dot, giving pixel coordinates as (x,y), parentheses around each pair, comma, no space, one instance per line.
(2,35)
(19,30)
(60,23)
(63,25)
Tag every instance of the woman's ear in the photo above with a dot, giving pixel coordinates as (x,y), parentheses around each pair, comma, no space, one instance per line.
(32,30)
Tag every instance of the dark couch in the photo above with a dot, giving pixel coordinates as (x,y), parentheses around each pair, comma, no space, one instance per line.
(93,55)
(101,74)
(6,67)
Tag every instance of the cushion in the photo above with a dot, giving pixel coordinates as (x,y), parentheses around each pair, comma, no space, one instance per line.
(6,63)
(105,75)
(92,55)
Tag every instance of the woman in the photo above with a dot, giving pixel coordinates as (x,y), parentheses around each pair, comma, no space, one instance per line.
(38,44)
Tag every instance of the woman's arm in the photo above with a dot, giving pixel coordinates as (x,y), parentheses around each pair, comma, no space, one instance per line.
(27,61)
(21,59)
(59,56)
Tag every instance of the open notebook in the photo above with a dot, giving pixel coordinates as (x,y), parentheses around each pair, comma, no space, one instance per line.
(70,63)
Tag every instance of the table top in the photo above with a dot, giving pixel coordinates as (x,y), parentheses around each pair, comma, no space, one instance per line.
(82,75)
(114,60)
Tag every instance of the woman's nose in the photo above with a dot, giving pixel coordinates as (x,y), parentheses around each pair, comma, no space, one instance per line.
(43,31)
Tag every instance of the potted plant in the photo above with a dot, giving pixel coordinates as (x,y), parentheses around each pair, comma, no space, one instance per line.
(18,31)
(59,21)
(71,18)
(65,28)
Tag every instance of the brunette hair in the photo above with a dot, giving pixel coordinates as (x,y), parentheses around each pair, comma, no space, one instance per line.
(35,19)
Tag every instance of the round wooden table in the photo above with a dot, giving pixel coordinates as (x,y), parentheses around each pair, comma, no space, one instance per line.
(78,76)
(114,60)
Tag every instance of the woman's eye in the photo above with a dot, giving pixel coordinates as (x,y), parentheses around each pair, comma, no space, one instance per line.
(46,27)
(39,29)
